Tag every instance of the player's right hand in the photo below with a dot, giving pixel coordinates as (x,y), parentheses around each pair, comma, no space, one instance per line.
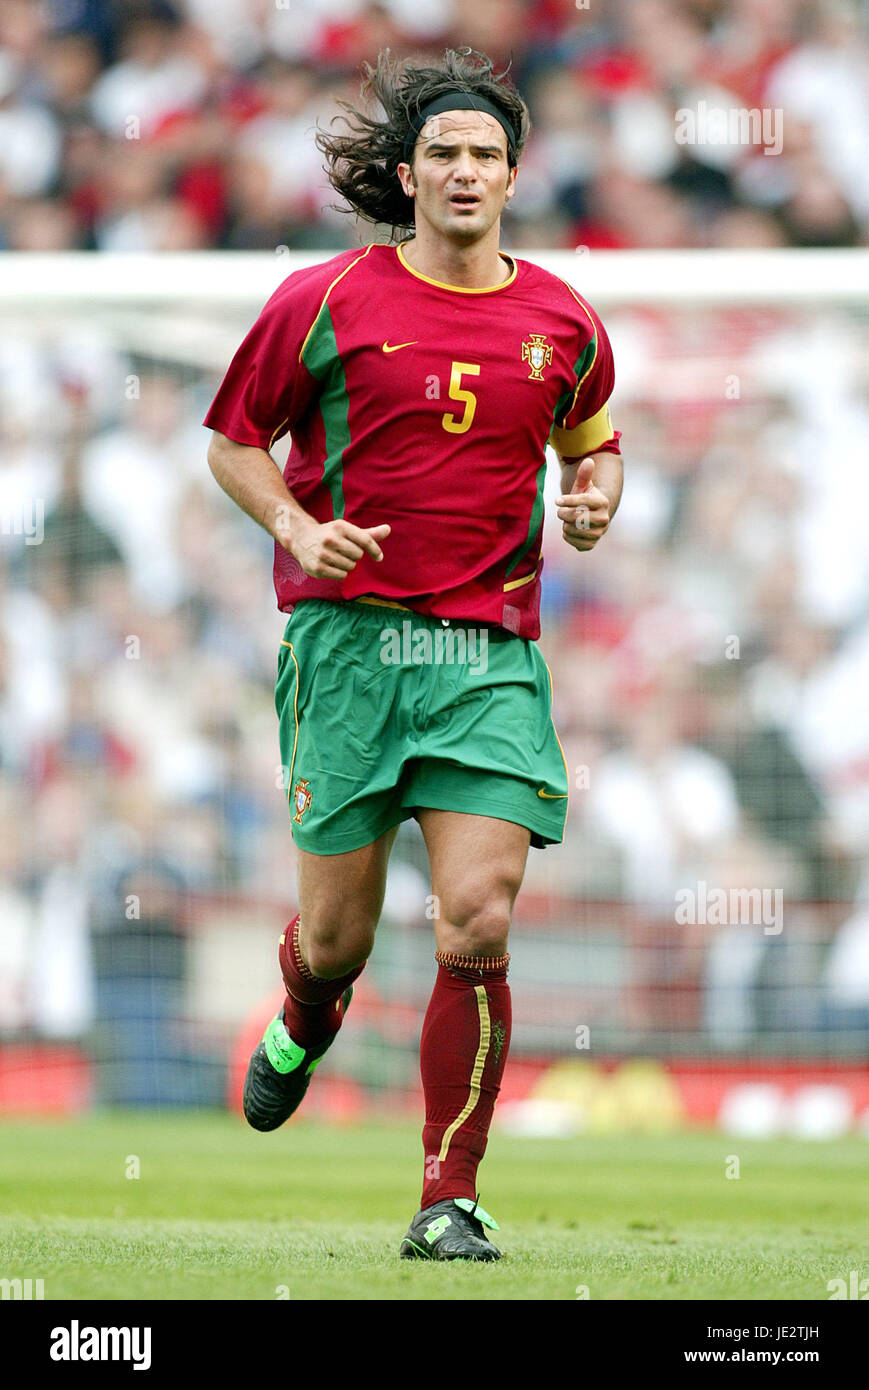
(332,549)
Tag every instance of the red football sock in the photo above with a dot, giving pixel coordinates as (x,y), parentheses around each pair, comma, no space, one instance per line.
(313,1011)
(465,1038)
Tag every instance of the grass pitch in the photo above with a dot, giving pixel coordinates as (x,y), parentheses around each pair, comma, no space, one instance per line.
(317,1212)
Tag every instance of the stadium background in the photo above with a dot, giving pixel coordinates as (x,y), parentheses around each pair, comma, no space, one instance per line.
(710,661)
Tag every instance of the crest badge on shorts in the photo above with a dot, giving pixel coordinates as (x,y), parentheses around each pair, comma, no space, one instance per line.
(302,797)
(538,354)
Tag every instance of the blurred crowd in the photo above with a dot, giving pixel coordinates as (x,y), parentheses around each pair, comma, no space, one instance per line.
(710,663)
(150,125)
(710,658)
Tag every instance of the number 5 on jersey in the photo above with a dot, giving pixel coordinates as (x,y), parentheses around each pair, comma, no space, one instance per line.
(460,393)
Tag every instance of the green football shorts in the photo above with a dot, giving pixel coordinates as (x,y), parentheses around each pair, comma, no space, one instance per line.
(383,711)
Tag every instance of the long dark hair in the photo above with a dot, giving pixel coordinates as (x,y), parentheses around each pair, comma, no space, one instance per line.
(362,163)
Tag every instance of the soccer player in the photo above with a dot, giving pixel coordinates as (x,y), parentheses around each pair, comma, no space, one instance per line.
(420,383)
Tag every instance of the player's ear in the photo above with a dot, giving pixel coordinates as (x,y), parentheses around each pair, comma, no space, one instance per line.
(511,182)
(405,178)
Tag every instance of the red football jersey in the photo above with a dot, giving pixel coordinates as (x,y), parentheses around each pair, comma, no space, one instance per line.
(427,406)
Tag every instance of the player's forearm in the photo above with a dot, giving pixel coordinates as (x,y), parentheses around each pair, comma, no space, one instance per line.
(253,480)
(608,476)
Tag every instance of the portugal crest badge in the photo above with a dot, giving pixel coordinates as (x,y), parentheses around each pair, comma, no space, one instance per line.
(302,797)
(538,354)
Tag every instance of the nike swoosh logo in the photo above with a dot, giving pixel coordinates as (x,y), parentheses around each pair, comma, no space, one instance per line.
(549,796)
(396,347)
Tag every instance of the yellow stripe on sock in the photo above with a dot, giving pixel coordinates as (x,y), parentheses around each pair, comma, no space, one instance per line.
(476,1074)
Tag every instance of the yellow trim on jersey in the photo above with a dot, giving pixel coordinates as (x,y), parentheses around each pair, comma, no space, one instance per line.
(382,603)
(517,583)
(585,437)
(458,289)
(476,1074)
(296,718)
(275,432)
(344,272)
(587,308)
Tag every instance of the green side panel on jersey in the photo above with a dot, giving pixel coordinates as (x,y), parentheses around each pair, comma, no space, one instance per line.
(323,362)
(581,366)
(562,405)
(534,522)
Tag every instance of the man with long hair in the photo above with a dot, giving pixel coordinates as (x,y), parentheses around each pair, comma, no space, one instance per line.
(420,382)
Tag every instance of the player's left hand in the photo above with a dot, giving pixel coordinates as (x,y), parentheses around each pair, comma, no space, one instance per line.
(585,510)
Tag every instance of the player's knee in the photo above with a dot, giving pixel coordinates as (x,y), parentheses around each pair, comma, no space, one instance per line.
(480,928)
(331,955)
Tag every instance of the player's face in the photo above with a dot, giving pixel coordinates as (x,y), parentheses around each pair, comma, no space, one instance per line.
(461,177)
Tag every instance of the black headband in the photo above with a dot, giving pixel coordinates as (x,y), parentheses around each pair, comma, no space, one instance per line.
(458,101)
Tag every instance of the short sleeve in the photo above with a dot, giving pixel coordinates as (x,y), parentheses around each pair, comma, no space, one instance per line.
(586,427)
(267,389)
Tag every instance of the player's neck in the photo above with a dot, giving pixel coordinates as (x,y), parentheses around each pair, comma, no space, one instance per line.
(473,267)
